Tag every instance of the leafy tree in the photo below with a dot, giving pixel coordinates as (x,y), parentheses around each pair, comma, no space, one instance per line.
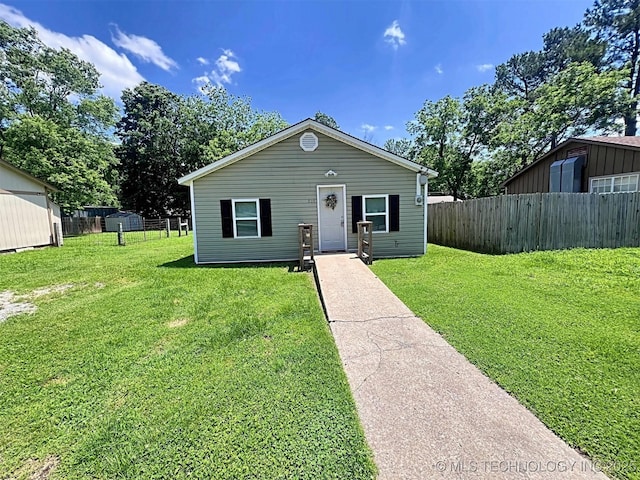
(165,136)
(149,150)
(521,75)
(238,125)
(448,135)
(52,121)
(400,146)
(80,165)
(617,23)
(325,119)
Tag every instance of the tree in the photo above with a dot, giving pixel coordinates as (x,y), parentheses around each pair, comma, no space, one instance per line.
(326,120)
(53,123)
(149,151)
(400,146)
(617,23)
(448,134)
(164,136)
(563,46)
(81,166)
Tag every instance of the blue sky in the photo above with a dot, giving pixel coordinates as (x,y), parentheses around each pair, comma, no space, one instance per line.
(371,65)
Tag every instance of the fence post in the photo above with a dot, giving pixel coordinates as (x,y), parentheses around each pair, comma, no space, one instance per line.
(179,226)
(120,235)
(168,227)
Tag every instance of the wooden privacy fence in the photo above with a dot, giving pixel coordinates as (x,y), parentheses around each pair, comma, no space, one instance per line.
(537,221)
(81,225)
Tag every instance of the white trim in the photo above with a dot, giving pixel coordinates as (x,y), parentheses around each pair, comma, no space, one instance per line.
(386,211)
(235,219)
(295,129)
(224,262)
(612,177)
(193,223)
(425,205)
(344,213)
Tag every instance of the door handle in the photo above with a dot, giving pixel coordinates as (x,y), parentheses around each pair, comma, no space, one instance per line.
(342,221)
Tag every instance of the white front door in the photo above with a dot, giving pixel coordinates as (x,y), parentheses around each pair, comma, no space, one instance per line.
(332,213)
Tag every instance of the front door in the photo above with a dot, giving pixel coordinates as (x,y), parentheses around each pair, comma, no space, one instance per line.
(331,218)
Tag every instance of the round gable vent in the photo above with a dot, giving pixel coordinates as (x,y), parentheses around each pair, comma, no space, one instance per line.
(308,142)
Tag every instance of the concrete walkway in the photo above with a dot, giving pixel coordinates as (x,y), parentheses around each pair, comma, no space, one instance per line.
(426,411)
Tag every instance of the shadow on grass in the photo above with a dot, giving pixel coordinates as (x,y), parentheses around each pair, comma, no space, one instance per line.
(188,262)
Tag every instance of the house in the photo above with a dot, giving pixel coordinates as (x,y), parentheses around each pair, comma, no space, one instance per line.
(130,221)
(590,164)
(247,206)
(89,211)
(28,217)
(441,198)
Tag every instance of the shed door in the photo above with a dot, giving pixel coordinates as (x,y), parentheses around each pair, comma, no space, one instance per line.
(332,214)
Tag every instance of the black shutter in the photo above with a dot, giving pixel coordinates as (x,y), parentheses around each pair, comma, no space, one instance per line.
(227,218)
(394,213)
(265,217)
(356,212)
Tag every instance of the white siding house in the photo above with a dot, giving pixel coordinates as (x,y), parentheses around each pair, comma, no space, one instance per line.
(27,215)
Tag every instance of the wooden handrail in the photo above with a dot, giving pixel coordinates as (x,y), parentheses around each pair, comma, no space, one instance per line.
(305,244)
(365,242)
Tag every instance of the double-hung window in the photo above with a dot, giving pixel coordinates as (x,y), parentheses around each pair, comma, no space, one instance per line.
(615,183)
(246,218)
(375,209)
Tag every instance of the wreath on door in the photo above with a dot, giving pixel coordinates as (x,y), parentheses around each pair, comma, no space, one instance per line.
(331,201)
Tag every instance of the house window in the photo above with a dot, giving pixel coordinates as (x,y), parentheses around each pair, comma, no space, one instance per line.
(615,184)
(246,218)
(375,209)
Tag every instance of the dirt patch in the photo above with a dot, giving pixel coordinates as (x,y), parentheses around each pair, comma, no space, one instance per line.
(12,304)
(178,322)
(47,290)
(36,469)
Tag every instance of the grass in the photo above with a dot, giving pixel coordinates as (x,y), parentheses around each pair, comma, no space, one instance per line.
(558,330)
(150,367)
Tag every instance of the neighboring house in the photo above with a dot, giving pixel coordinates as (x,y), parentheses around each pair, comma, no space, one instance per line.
(130,222)
(247,206)
(590,164)
(94,211)
(440,198)
(27,215)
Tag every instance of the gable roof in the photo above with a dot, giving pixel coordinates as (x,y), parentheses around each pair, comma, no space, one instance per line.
(629,143)
(308,124)
(19,171)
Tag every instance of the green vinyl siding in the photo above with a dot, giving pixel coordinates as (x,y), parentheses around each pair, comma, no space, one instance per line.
(289,177)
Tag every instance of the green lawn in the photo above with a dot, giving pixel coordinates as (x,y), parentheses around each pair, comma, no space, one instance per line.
(150,367)
(559,330)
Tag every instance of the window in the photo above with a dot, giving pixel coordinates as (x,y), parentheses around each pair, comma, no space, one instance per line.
(615,184)
(246,218)
(375,209)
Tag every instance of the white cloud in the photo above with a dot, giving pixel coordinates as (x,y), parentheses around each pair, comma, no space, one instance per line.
(485,67)
(116,70)
(202,61)
(368,128)
(438,69)
(225,67)
(394,35)
(143,48)
(388,127)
